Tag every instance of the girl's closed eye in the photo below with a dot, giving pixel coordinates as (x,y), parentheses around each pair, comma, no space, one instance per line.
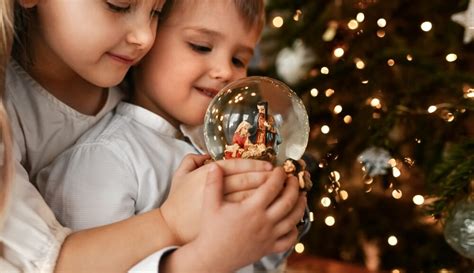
(118,6)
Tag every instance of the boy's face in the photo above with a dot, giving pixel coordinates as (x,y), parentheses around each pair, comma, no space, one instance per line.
(95,40)
(200,48)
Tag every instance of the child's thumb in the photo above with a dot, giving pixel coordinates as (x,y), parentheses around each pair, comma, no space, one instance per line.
(190,163)
(214,189)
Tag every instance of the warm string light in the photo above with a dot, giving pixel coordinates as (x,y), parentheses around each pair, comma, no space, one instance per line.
(277,21)
(392,240)
(299,248)
(297,16)
(353,24)
(451,57)
(426,26)
(418,200)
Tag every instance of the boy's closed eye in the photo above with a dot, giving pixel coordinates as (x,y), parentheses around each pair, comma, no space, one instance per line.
(200,48)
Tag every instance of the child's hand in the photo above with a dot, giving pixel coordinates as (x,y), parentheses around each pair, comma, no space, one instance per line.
(182,209)
(234,234)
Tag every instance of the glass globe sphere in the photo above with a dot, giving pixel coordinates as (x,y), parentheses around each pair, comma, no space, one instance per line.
(256,117)
(459,228)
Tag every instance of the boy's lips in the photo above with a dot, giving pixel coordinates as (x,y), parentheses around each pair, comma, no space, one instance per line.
(210,92)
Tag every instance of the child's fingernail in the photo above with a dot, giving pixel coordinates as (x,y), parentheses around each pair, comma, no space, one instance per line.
(213,167)
(268,166)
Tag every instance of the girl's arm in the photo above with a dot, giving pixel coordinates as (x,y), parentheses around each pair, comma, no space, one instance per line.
(116,247)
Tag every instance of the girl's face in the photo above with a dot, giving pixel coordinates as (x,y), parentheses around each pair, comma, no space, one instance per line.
(99,40)
(200,48)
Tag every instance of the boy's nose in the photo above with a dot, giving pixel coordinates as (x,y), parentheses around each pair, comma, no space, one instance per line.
(222,71)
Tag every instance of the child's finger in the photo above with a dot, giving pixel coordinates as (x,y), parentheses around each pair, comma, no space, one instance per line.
(269,190)
(213,191)
(286,202)
(286,241)
(238,196)
(292,219)
(235,166)
(190,163)
(245,181)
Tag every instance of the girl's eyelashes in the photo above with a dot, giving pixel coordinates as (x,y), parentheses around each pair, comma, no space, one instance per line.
(116,7)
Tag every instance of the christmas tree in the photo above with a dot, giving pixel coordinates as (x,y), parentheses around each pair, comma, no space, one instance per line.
(389,91)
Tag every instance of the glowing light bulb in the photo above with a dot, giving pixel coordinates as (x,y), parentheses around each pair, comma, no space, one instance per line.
(324,70)
(330,221)
(426,26)
(374,102)
(339,52)
(451,57)
(299,248)
(344,194)
(278,21)
(326,202)
(392,240)
(432,109)
(359,63)
(396,172)
(353,24)
(314,92)
(397,194)
(381,22)
(360,17)
(418,200)
(337,109)
(329,92)
(325,129)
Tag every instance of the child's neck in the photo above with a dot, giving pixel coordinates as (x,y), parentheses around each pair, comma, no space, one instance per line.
(70,88)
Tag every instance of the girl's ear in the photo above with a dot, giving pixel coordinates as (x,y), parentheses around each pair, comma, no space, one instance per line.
(28,3)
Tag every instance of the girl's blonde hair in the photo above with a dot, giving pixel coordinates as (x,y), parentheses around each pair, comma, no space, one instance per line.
(6,163)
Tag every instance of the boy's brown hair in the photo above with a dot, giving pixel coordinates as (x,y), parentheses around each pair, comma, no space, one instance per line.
(251,11)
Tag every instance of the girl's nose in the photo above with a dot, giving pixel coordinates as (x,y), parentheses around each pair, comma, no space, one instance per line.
(142,35)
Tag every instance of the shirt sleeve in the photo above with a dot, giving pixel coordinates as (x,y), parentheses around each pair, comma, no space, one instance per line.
(31,235)
(89,185)
(151,263)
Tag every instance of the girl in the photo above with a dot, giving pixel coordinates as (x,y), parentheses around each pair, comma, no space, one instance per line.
(67,55)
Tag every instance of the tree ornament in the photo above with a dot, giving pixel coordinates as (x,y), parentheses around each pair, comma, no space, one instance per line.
(459,228)
(466,19)
(259,118)
(375,161)
(293,64)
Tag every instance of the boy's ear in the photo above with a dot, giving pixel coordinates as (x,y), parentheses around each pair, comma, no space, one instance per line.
(28,3)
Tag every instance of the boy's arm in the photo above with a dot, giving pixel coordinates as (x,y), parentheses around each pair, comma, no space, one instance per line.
(262,223)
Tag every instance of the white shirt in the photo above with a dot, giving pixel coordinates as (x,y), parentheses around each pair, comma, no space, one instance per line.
(121,167)
(42,128)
